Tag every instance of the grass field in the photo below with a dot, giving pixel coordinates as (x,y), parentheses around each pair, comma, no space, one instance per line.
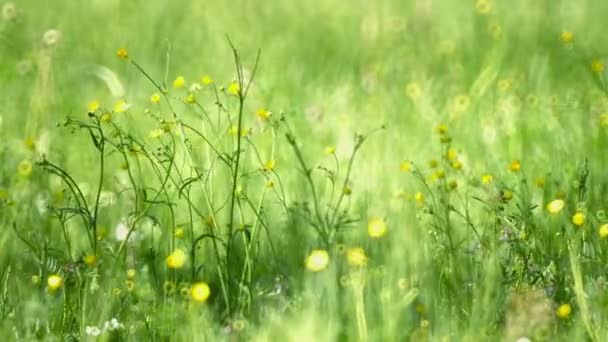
(303,171)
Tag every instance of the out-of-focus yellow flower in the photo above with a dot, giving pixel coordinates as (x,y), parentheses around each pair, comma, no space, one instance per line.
(122,53)
(376,228)
(603,231)
(567,37)
(106,117)
(330,150)
(199,292)
(563,311)
(442,129)
(483,6)
(317,260)
(356,256)
(179,82)
(234,89)
(539,182)
(487,179)
(461,103)
(604,120)
(515,166)
(155,98)
(90,259)
(177,259)
(269,165)
(263,114)
(24,169)
(578,219)
(131,273)
(405,166)
(179,232)
(507,195)
(597,66)
(419,197)
(29,143)
(121,106)
(156,133)
(93,106)
(191,98)
(556,206)
(54,282)
(206,80)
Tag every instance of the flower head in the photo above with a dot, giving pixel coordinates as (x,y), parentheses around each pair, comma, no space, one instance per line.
(54,282)
(556,206)
(564,311)
(177,259)
(487,179)
(603,231)
(356,256)
(567,37)
(179,82)
(199,292)
(578,219)
(122,53)
(597,66)
(263,114)
(515,166)
(155,98)
(93,106)
(24,169)
(206,80)
(483,6)
(376,228)
(317,260)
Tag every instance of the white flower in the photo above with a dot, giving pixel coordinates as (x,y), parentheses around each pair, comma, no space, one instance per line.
(92,331)
(112,325)
(121,232)
(195,87)
(51,37)
(9,11)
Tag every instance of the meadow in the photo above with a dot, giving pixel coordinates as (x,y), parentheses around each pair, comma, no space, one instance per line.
(303,171)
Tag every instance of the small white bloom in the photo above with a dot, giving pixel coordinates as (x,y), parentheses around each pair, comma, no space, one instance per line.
(92,331)
(121,232)
(51,37)
(194,87)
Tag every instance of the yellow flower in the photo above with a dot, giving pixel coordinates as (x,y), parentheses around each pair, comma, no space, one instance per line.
(356,256)
(106,117)
(191,98)
(317,260)
(199,292)
(179,232)
(419,197)
(269,165)
(24,169)
(206,80)
(515,166)
(122,53)
(234,89)
(93,106)
(177,259)
(451,154)
(131,273)
(36,279)
(578,219)
(54,282)
(130,285)
(413,90)
(29,143)
(90,259)
(405,166)
(263,114)
(376,228)
(556,206)
(457,165)
(597,66)
(539,182)
(603,231)
(269,184)
(504,85)
(330,150)
(483,6)
(155,98)
(442,129)
(121,106)
(507,195)
(487,179)
(604,120)
(179,82)
(564,311)
(567,37)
